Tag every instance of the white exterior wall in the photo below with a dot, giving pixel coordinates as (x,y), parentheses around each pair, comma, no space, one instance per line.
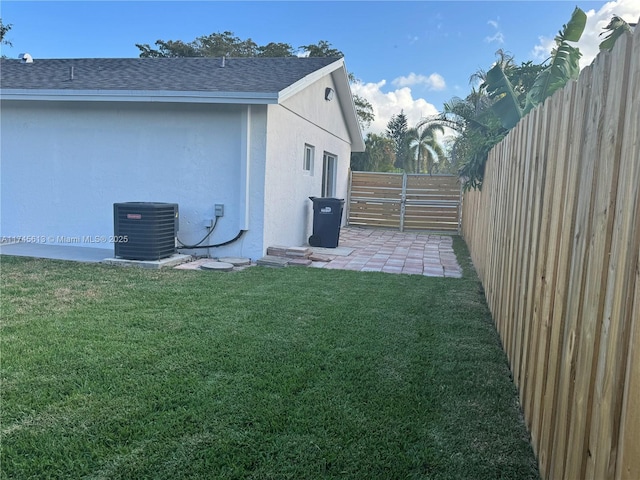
(306,118)
(64,165)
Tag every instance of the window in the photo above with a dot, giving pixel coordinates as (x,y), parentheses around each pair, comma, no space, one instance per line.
(307,165)
(329,166)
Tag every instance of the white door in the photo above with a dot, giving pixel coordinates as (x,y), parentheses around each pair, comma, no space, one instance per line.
(329,167)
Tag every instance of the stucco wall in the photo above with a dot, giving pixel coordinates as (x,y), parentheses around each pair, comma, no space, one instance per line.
(64,164)
(306,118)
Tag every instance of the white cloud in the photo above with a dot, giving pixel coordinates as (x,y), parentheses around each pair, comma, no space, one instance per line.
(497,37)
(629,10)
(385,105)
(542,51)
(435,81)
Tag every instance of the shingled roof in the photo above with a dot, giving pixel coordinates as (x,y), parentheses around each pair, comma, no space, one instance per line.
(257,75)
(251,81)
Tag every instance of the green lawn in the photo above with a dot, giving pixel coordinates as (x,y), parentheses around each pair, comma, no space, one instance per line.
(123,373)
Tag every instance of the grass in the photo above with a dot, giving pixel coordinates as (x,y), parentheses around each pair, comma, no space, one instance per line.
(294,373)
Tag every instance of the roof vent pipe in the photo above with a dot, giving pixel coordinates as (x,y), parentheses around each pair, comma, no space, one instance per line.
(71,72)
(26,58)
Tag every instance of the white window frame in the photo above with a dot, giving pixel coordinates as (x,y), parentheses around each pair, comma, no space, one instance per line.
(307,161)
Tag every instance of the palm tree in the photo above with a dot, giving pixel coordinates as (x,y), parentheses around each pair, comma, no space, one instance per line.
(477,120)
(504,59)
(478,131)
(424,148)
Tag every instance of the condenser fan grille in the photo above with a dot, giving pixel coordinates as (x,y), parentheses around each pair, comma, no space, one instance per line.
(145,230)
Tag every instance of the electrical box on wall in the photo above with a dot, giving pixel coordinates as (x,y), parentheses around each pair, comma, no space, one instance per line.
(219,210)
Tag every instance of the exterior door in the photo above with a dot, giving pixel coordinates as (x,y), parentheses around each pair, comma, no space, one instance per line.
(329,166)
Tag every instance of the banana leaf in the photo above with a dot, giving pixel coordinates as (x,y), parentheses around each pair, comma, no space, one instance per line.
(506,105)
(616,28)
(564,64)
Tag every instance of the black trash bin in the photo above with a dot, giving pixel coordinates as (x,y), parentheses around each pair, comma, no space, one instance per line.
(327,216)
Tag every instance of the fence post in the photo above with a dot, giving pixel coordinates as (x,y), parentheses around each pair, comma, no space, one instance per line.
(460,200)
(403,200)
(348,209)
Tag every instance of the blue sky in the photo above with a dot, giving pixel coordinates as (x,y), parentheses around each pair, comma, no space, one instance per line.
(409,55)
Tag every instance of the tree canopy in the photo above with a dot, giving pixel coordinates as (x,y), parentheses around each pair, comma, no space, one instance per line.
(397,129)
(401,148)
(215,45)
(378,156)
(509,91)
(226,43)
(4,29)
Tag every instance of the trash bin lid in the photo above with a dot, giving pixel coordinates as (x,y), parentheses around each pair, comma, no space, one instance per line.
(326,199)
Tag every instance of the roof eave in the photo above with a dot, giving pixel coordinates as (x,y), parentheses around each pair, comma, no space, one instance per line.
(338,71)
(160,96)
(350,113)
(308,80)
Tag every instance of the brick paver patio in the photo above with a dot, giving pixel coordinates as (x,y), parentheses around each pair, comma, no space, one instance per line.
(378,250)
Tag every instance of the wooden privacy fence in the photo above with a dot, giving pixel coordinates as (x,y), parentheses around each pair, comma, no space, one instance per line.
(555,237)
(404,201)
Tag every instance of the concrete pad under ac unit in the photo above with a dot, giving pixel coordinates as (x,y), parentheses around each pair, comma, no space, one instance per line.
(171,261)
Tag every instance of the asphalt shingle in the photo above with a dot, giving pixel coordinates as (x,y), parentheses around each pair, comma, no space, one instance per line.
(255,74)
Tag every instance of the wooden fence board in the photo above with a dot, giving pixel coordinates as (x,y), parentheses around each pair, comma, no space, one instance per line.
(521,230)
(555,238)
(548,264)
(535,242)
(604,191)
(626,445)
(629,451)
(573,324)
(558,316)
(536,344)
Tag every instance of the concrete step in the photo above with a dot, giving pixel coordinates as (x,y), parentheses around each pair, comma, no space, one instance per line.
(273,261)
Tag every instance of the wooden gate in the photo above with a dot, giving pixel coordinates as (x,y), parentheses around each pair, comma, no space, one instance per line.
(404,201)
